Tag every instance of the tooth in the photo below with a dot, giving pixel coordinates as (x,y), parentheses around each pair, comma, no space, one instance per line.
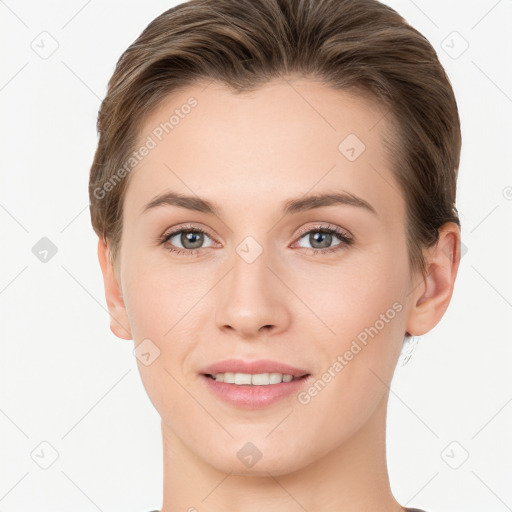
(260,379)
(276,378)
(229,377)
(242,378)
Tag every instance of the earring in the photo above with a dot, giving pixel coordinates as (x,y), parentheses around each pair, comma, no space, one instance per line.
(408,347)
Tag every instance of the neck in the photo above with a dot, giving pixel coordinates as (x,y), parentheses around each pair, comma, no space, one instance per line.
(351,478)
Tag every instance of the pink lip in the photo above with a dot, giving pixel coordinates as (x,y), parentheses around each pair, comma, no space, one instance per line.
(253,397)
(259,366)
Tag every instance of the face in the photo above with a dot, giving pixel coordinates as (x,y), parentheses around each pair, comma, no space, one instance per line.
(268,274)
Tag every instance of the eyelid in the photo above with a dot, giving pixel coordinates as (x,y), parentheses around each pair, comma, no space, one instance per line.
(169,233)
(327,227)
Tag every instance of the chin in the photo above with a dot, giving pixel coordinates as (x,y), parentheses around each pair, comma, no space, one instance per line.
(246,458)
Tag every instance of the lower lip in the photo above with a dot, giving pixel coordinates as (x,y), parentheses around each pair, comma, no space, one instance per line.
(254,397)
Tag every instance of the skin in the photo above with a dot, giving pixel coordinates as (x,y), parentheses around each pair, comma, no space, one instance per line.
(249,153)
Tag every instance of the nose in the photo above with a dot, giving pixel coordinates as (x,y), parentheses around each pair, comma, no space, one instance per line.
(251,301)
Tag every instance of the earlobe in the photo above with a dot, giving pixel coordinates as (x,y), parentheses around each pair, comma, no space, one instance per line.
(430,300)
(119,324)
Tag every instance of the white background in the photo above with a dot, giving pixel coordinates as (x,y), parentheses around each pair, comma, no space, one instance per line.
(68,381)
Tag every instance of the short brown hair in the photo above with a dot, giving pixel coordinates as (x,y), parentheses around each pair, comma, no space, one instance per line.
(363,46)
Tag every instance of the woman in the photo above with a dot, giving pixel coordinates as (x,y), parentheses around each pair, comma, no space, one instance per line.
(274,196)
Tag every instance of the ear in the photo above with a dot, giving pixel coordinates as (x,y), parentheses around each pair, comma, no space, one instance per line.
(119,324)
(431,298)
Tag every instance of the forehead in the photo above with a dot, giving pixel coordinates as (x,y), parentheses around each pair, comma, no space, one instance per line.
(280,140)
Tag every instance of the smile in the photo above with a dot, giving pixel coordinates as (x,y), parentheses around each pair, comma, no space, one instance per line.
(249,379)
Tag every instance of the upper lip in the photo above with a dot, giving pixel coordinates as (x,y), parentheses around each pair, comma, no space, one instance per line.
(253,367)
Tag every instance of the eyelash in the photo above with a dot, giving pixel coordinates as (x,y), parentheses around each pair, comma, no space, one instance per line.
(346,240)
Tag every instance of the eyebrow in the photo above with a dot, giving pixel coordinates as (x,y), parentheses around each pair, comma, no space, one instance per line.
(290,206)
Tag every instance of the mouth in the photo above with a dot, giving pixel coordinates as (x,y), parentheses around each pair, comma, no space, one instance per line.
(253,384)
(254,379)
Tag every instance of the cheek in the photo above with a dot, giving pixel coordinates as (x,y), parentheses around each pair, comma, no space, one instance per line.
(359,362)
(159,301)
(344,298)
(157,295)
(164,303)
(362,312)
